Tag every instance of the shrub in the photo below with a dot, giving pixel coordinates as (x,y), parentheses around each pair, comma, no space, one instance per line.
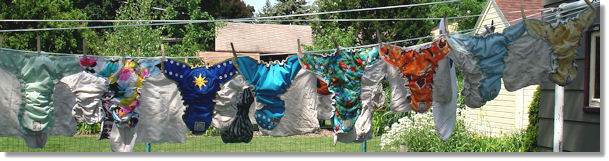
(86,129)
(530,137)
(418,134)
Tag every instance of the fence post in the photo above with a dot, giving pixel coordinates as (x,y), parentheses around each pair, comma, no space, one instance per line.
(364,146)
(147,147)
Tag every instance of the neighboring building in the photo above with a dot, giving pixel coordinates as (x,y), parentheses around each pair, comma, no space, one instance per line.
(254,39)
(509,111)
(581,128)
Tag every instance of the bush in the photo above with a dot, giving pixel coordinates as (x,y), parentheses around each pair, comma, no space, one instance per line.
(417,134)
(530,137)
(86,129)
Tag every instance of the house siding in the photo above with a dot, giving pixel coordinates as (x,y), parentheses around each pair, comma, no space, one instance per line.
(581,130)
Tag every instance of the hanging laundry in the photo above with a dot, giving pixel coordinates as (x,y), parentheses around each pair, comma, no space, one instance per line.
(269,80)
(89,86)
(240,129)
(324,101)
(528,62)
(125,87)
(198,87)
(225,110)
(92,86)
(300,116)
(37,76)
(417,65)
(63,101)
(565,38)
(481,60)
(445,99)
(354,78)
(161,110)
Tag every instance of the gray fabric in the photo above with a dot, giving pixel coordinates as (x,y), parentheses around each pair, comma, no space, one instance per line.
(88,90)
(445,112)
(300,102)
(528,63)
(472,77)
(400,93)
(122,139)
(324,107)
(372,96)
(161,111)
(64,100)
(442,82)
(225,109)
(10,99)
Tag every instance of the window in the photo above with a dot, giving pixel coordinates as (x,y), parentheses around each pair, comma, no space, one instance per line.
(592,94)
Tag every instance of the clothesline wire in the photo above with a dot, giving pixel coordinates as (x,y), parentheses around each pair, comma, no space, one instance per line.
(254,18)
(177,22)
(241,55)
(327,50)
(247,19)
(251,18)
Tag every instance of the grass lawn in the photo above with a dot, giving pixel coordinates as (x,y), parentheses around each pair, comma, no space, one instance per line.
(196,144)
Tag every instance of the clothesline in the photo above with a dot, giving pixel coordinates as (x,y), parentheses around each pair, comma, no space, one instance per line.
(241,55)
(329,50)
(254,20)
(178,22)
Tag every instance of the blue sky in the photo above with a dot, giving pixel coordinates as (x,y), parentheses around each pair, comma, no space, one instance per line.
(258,4)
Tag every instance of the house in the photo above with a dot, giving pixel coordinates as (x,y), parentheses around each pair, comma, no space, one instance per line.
(507,113)
(581,113)
(254,39)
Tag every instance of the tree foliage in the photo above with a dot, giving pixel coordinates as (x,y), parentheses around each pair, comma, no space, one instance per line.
(65,41)
(286,7)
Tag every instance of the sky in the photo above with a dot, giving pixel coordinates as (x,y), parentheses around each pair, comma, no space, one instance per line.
(258,4)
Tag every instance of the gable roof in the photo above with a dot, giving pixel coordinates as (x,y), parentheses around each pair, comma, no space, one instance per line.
(503,11)
(514,5)
(262,38)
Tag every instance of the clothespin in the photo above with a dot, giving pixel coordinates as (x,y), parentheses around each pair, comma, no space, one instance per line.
(162,57)
(234,53)
(38,45)
(378,37)
(84,49)
(336,45)
(589,4)
(445,23)
(162,53)
(524,17)
(123,53)
(299,50)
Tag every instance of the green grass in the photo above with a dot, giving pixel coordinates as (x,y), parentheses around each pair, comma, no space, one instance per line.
(195,144)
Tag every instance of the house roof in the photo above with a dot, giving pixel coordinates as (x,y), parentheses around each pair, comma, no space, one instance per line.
(514,5)
(262,38)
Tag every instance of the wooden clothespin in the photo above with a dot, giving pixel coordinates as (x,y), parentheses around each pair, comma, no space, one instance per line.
(299,50)
(38,45)
(84,49)
(589,4)
(378,37)
(336,45)
(234,53)
(163,53)
(524,16)
(446,23)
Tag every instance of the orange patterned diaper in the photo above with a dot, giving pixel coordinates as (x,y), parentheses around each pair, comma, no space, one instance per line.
(417,64)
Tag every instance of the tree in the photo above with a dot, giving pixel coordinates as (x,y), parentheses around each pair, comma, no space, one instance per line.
(286,7)
(393,30)
(62,41)
(227,9)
